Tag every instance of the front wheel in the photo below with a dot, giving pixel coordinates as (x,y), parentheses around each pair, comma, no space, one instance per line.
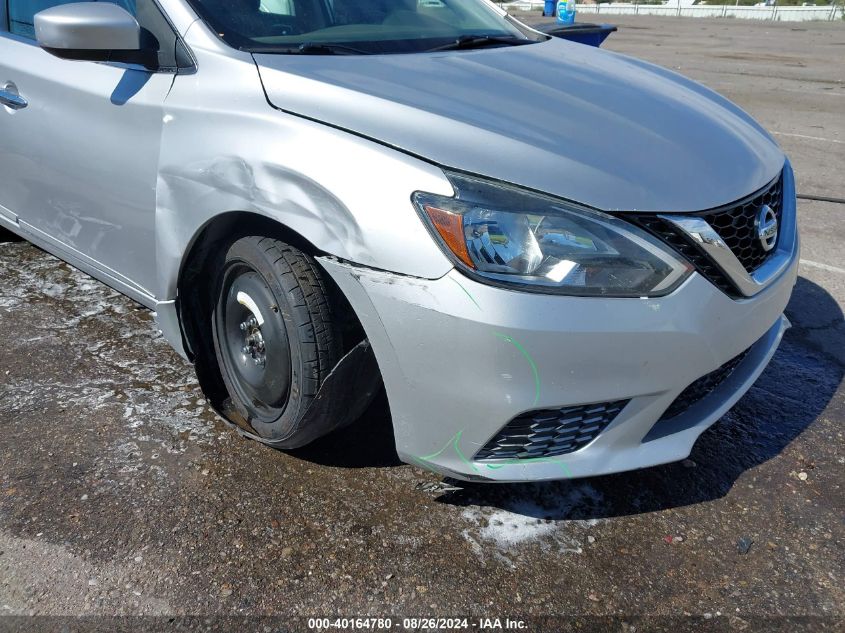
(275,337)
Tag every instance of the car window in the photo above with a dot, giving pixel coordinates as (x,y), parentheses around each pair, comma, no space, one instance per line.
(156,32)
(277,7)
(21,12)
(375,26)
(241,20)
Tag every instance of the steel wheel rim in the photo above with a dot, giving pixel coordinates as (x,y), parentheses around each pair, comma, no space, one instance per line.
(253,342)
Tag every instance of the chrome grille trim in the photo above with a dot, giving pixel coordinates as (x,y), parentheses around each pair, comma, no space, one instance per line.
(750,274)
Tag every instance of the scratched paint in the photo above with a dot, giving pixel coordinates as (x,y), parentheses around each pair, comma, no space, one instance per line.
(454,441)
(531,460)
(530,360)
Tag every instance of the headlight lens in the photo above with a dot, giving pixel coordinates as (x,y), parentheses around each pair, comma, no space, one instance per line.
(512,236)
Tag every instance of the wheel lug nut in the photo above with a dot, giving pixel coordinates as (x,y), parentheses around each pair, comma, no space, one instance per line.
(244,326)
(245,349)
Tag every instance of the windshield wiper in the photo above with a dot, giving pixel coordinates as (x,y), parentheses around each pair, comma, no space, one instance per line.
(465,42)
(308,48)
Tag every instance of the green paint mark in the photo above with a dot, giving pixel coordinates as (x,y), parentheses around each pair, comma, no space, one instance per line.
(433,455)
(530,360)
(453,442)
(460,453)
(471,298)
(424,464)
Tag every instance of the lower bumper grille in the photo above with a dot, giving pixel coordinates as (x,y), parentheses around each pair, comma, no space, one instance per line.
(551,432)
(702,387)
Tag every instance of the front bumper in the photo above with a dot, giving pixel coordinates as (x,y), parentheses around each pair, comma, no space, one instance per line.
(461,359)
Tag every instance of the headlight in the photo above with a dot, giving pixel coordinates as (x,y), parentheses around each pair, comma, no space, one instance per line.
(510,236)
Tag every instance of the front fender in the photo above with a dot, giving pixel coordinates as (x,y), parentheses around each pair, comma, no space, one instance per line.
(224,148)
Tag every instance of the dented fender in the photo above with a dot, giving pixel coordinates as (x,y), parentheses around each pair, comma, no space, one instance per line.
(348,196)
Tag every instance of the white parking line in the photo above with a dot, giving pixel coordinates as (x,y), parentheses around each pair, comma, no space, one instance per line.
(833,269)
(824,93)
(813,138)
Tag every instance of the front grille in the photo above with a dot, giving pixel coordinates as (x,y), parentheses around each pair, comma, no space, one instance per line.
(737,225)
(734,223)
(702,388)
(551,432)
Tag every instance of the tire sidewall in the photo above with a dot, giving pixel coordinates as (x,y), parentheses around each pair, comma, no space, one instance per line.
(247,251)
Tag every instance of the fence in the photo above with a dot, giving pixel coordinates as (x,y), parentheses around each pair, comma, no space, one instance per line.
(782,14)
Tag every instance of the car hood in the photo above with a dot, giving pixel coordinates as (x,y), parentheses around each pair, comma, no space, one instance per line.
(592,126)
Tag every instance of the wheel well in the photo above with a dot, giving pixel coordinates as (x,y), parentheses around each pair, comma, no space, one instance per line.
(7,236)
(195,290)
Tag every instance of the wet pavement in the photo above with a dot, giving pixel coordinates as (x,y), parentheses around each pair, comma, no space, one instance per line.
(122,493)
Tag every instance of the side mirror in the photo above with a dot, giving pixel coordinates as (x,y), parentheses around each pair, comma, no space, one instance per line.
(90,31)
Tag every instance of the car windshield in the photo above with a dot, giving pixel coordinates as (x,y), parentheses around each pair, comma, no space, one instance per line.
(360,26)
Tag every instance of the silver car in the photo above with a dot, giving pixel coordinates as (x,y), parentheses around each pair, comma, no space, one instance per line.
(560,261)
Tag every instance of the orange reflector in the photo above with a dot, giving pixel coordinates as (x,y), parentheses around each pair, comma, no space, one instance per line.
(451,229)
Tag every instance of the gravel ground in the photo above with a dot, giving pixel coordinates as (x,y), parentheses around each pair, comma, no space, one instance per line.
(121,493)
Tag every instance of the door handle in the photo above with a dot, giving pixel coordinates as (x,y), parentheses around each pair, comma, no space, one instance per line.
(12,99)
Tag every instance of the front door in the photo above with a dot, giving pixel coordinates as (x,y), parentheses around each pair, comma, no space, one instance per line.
(79,152)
